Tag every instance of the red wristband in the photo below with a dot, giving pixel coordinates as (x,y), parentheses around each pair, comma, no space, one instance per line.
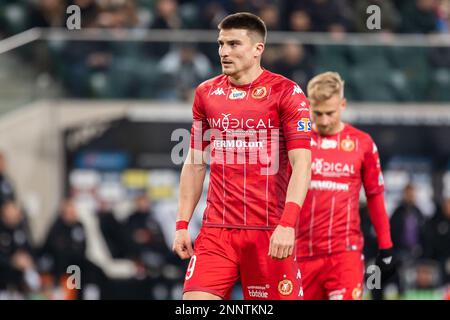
(181,224)
(290,214)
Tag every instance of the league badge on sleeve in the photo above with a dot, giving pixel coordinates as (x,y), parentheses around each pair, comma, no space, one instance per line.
(304,125)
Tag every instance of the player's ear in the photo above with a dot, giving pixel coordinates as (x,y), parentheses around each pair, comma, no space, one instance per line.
(259,49)
(343,104)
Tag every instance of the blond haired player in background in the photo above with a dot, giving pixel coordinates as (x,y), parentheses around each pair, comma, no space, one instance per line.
(330,242)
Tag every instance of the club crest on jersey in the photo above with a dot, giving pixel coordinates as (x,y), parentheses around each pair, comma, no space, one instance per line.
(285,287)
(304,124)
(357,294)
(237,94)
(348,145)
(259,92)
(218,92)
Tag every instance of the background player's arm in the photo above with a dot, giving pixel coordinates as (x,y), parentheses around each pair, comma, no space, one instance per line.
(283,238)
(191,186)
(374,188)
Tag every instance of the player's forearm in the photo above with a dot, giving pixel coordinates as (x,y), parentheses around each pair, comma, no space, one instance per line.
(191,187)
(300,178)
(380,220)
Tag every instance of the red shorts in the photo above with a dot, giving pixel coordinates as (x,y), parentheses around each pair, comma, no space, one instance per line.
(222,256)
(338,276)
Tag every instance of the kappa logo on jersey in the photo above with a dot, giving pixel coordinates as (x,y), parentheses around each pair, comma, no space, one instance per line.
(297,90)
(304,124)
(285,287)
(259,93)
(218,92)
(328,144)
(237,94)
(322,167)
(380,179)
(313,143)
(347,145)
(374,148)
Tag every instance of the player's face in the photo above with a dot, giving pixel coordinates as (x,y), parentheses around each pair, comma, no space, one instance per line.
(239,51)
(326,115)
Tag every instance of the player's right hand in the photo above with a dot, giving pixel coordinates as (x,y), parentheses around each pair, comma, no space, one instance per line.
(182,244)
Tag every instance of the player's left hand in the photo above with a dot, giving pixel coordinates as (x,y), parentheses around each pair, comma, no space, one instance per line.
(282,242)
(385,260)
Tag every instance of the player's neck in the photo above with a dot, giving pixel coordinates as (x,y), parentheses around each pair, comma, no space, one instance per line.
(336,130)
(248,77)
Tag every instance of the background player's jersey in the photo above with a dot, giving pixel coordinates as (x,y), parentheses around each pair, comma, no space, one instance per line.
(330,220)
(248,131)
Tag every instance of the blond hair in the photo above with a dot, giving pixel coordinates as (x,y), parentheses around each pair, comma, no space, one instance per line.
(325,85)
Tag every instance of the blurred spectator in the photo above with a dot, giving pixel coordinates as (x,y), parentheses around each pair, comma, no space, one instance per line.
(408,227)
(443,14)
(294,63)
(420,16)
(6,188)
(115,234)
(233,6)
(300,21)
(211,15)
(17,268)
(66,246)
(270,14)
(328,15)
(166,15)
(438,244)
(186,67)
(48,13)
(147,237)
(116,14)
(389,16)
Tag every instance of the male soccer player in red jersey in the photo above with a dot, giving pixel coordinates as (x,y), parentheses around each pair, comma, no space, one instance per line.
(258,139)
(329,239)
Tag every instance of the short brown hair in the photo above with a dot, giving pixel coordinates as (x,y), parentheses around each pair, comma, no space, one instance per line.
(325,85)
(244,20)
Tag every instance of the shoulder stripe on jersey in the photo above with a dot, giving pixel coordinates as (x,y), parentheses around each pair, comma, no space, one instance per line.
(311,226)
(347,227)
(223,199)
(330,228)
(267,196)
(245,186)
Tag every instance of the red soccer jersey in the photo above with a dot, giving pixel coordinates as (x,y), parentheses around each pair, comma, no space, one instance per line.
(341,163)
(249,129)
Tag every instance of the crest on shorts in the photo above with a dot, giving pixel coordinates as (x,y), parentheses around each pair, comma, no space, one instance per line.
(357,294)
(348,145)
(285,287)
(259,92)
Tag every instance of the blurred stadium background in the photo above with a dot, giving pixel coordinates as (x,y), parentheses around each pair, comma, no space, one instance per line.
(87,116)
